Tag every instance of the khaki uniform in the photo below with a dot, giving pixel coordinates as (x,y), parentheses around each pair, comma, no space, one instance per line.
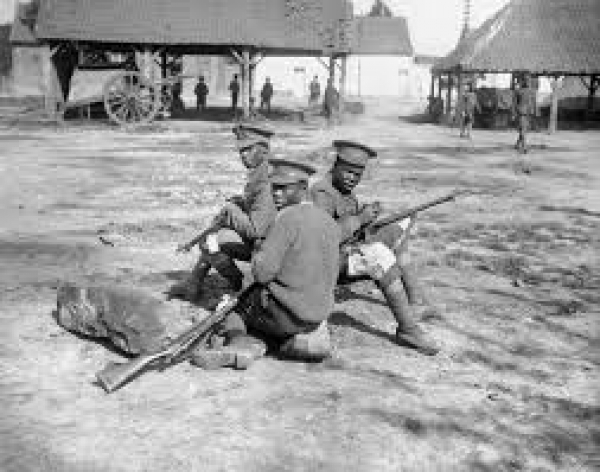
(468,106)
(524,105)
(379,260)
(296,270)
(344,209)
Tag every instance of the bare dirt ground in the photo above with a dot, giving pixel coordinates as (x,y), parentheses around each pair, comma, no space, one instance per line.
(513,269)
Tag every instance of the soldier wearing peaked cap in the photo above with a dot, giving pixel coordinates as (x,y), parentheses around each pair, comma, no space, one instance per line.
(294,274)
(380,261)
(241,223)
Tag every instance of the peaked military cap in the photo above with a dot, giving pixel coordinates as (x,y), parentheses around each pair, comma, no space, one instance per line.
(285,172)
(353,153)
(249,135)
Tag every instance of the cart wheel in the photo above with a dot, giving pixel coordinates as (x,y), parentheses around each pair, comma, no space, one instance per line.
(130,99)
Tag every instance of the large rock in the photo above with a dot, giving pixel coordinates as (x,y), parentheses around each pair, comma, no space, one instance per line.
(133,320)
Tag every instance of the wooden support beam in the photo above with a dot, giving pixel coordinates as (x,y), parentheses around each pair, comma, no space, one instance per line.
(555,83)
(246,82)
(343,80)
(432,86)
(449,94)
(53,95)
(459,94)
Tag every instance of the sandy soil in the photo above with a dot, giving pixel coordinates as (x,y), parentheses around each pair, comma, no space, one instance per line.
(513,270)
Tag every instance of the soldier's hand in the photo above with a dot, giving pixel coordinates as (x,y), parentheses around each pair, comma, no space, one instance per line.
(237,200)
(369,213)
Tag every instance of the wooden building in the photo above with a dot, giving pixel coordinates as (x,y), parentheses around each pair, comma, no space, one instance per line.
(161,31)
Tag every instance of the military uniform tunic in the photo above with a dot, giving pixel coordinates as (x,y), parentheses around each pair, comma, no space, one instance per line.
(251,218)
(298,262)
(342,208)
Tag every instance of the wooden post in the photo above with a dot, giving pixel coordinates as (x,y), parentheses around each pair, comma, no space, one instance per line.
(214,74)
(245,68)
(359,79)
(459,93)
(432,86)
(343,78)
(147,68)
(594,83)
(555,83)
(439,79)
(53,94)
(332,112)
(163,64)
(449,94)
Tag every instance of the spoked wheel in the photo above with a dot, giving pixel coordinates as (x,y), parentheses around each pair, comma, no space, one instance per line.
(130,99)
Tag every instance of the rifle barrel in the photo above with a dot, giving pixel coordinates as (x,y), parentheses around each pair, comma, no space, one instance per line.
(405,213)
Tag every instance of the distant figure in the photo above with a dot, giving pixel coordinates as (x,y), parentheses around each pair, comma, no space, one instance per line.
(467,107)
(201,92)
(330,101)
(266,94)
(314,91)
(234,89)
(177,105)
(524,108)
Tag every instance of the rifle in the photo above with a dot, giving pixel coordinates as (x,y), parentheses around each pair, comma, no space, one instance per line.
(371,229)
(115,374)
(214,226)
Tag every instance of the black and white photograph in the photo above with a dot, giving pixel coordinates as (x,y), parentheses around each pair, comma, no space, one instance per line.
(300,235)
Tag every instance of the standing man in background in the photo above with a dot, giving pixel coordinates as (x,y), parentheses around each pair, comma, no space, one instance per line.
(330,101)
(201,92)
(468,106)
(266,94)
(314,91)
(524,109)
(234,90)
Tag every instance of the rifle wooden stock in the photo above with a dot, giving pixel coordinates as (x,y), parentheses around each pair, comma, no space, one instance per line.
(115,374)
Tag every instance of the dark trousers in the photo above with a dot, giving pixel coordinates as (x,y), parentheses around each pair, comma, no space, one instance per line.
(522,128)
(260,313)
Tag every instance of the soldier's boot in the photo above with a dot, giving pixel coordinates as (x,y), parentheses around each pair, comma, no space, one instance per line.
(227,268)
(417,296)
(314,346)
(408,332)
(191,288)
(239,352)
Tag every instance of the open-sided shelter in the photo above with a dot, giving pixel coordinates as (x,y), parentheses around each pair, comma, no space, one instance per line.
(245,29)
(541,37)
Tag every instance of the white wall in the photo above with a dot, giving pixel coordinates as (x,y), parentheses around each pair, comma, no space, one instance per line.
(391,76)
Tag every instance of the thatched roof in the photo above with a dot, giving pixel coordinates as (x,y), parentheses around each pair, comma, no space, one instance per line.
(284,26)
(536,36)
(378,35)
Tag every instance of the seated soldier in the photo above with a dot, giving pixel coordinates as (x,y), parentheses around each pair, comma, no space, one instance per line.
(294,275)
(380,261)
(240,224)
